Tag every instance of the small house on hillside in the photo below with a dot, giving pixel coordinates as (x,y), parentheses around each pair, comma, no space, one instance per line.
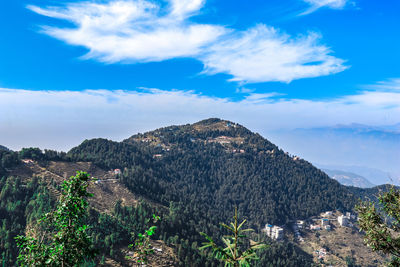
(343,220)
(273,231)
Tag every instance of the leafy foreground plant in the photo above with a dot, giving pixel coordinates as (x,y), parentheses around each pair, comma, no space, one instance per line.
(62,239)
(142,248)
(235,253)
(380,234)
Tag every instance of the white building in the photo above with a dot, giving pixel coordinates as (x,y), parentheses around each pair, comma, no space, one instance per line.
(273,231)
(278,233)
(343,220)
(268,229)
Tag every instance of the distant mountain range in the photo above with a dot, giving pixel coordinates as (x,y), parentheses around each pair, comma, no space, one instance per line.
(377,149)
(372,175)
(362,128)
(349,178)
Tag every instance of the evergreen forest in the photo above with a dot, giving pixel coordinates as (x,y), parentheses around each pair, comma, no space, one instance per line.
(192,176)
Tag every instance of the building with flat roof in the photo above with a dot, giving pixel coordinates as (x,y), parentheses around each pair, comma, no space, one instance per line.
(343,220)
(273,231)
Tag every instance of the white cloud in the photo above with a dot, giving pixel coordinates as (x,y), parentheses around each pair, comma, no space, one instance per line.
(327,3)
(388,85)
(316,4)
(254,98)
(62,119)
(183,8)
(264,54)
(135,31)
(244,90)
(384,99)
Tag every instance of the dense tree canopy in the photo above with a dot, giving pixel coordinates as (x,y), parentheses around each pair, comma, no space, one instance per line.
(201,179)
(265,183)
(20,206)
(200,172)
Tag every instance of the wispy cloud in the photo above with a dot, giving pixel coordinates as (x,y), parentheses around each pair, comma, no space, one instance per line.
(244,90)
(265,54)
(387,85)
(317,4)
(62,119)
(254,98)
(137,31)
(383,99)
(132,31)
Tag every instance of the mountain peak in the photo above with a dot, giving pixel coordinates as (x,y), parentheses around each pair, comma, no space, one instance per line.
(209,121)
(214,124)
(214,121)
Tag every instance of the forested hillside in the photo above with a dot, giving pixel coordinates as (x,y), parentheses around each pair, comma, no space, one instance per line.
(8,159)
(20,205)
(205,169)
(370,194)
(196,174)
(214,165)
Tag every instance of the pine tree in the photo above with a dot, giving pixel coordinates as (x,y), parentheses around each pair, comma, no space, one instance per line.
(237,251)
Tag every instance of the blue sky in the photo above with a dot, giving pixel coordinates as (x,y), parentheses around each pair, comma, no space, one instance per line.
(272,66)
(364,34)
